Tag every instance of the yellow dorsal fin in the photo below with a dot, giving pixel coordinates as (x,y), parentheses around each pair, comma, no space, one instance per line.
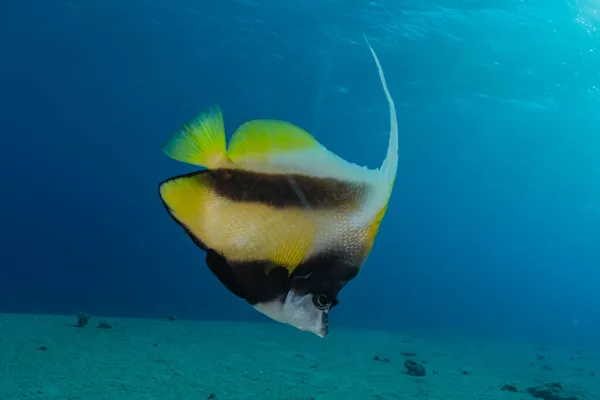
(201,142)
(258,139)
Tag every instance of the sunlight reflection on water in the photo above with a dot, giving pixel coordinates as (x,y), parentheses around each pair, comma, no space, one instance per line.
(588,16)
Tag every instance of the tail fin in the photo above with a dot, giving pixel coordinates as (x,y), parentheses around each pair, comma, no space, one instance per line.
(201,142)
(390,164)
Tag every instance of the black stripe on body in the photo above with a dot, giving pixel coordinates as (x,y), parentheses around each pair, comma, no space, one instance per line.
(319,275)
(282,190)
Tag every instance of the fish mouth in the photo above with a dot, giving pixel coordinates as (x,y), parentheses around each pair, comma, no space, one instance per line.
(324,331)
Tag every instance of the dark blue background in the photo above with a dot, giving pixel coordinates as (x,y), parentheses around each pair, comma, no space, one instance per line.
(494,224)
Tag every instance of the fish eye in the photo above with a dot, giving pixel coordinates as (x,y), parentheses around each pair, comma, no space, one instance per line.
(322,301)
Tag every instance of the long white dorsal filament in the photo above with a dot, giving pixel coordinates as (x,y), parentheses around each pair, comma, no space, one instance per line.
(390,164)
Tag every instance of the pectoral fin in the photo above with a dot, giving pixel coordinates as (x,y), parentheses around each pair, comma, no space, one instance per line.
(291,253)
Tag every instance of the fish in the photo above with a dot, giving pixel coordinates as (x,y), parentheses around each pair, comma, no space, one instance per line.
(285,223)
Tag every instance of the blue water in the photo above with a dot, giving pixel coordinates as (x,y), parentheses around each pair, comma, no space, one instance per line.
(494,224)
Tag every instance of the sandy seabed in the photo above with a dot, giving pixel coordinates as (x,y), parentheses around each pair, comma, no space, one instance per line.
(46,357)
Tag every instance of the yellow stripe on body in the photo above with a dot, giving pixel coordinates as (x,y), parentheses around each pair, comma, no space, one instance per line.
(240,231)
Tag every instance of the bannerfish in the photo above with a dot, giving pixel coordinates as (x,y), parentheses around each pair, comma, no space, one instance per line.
(285,223)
